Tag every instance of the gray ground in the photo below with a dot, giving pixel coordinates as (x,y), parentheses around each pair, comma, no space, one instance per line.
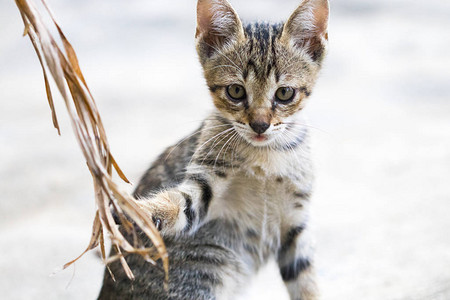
(382,147)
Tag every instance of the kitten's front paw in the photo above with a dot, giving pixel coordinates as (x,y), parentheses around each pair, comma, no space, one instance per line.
(163,209)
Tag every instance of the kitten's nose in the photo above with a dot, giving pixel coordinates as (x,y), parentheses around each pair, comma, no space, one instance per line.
(259,127)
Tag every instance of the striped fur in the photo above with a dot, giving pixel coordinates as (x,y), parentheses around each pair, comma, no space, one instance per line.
(229,197)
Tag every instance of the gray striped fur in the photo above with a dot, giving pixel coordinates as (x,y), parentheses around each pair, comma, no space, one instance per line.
(228,198)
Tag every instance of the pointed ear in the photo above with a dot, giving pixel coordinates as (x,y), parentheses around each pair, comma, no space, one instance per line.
(307,28)
(218,25)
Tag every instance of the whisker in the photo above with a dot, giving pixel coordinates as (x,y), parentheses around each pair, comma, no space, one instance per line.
(214,145)
(217,157)
(306,125)
(299,147)
(214,137)
(234,146)
(191,135)
(284,137)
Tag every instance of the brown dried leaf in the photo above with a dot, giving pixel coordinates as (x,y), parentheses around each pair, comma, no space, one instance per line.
(91,137)
(118,170)
(93,243)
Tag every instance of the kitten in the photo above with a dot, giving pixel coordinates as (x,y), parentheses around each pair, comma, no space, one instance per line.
(236,192)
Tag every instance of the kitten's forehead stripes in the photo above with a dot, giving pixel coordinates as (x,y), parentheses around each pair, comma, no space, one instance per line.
(261,48)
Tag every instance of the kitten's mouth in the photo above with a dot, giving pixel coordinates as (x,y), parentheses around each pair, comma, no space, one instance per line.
(259,137)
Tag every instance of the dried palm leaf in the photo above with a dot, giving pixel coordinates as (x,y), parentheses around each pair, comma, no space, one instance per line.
(88,128)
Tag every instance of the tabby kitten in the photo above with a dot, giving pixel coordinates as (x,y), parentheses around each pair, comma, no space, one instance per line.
(236,192)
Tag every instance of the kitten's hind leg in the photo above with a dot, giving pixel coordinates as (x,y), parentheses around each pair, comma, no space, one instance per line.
(199,269)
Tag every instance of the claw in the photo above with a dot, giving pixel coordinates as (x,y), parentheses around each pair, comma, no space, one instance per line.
(157,222)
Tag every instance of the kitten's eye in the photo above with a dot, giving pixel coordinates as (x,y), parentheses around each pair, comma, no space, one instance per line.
(236,92)
(285,94)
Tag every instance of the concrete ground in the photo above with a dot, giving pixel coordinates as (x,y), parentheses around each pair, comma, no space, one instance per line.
(382,144)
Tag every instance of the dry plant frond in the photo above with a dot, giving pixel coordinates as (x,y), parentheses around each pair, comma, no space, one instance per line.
(88,128)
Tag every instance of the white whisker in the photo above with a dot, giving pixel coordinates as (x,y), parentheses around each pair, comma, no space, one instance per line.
(214,145)
(191,135)
(217,157)
(214,137)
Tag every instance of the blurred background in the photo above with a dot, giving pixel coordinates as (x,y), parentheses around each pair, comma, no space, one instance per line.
(382,145)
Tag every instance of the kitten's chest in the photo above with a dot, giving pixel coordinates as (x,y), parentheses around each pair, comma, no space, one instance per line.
(252,201)
(264,165)
(254,207)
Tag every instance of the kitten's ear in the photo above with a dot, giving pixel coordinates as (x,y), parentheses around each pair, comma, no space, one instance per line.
(307,28)
(218,25)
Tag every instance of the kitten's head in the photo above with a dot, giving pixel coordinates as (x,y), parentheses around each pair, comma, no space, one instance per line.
(260,74)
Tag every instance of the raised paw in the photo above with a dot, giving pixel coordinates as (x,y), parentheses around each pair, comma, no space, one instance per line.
(164,209)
